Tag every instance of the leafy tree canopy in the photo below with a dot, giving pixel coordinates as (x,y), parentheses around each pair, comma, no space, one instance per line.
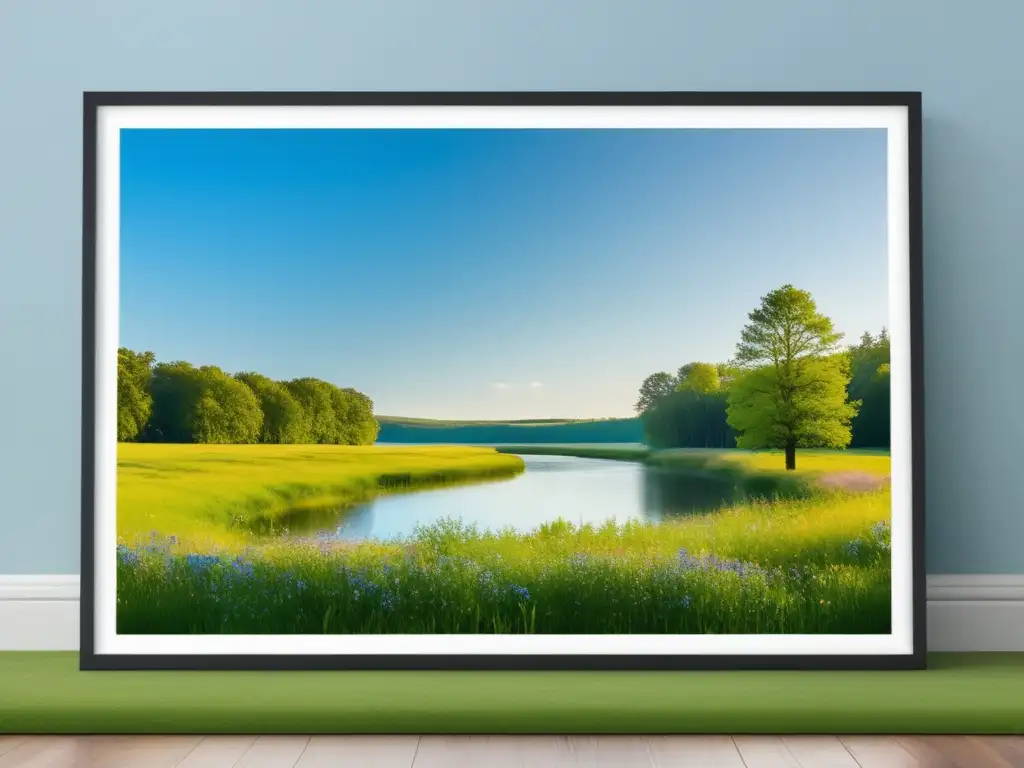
(654,388)
(284,420)
(699,377)
(807,410)
(176,402)
(134,403)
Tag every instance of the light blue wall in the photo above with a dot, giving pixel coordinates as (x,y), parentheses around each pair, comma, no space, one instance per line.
(963,56)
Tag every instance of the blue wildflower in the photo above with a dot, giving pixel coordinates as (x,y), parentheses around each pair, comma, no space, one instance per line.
(520,592)
(686,601)
(127,556)
(201,563)
(242,568)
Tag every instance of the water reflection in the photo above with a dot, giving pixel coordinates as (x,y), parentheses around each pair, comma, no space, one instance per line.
(670,494)
(579,490)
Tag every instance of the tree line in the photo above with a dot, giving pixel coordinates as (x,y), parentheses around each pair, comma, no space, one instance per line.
(177,402)
(789,385)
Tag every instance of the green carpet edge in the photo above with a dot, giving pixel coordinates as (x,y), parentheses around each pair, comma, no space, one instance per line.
(44,692)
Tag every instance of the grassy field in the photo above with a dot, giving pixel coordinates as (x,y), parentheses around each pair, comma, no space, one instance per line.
(229,494)
(814,564)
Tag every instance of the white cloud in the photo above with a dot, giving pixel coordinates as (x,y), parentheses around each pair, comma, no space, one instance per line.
(500,385)
(536,384)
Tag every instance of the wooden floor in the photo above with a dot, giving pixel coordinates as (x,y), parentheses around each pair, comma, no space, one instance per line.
(508,751)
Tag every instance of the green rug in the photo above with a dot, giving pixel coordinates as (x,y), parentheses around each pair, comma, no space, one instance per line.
(960,693)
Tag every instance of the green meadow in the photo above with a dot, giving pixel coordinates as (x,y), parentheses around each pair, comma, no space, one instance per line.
(204,548)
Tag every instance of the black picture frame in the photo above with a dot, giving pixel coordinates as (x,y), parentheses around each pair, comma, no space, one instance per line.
(93,102)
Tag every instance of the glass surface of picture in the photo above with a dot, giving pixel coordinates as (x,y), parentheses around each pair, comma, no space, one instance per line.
(509,384)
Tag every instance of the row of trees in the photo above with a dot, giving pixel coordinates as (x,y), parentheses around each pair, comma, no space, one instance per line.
(789,385)
(177,402)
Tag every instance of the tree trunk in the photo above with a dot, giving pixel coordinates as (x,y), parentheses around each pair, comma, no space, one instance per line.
(790,455)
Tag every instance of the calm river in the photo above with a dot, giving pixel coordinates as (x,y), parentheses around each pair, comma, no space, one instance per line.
(577,490)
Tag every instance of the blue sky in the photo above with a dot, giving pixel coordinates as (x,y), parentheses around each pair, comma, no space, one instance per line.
(490,274)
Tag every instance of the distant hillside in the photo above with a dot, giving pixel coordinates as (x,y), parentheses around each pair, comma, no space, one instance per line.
(397,429)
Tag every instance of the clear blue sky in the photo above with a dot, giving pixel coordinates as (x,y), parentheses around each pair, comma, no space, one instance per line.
(490,274)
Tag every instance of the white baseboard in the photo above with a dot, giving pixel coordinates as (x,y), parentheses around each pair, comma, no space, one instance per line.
(965,613)
(39,613)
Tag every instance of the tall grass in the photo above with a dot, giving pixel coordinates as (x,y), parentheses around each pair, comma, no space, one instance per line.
(815,565)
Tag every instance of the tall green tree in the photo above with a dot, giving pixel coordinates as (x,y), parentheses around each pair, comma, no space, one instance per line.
(793,389)
(134,403)
(227,410)
(654,388)
(698,377)
(869,383)
(317,398)
(201,405)
(359,427)
(175,388)
(284,420)
(689,419)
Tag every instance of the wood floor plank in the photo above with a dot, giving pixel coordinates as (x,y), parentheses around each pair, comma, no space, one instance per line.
(937,751)
(361,751)
(1010,748)
(884,752)
(765,752)
(495,752)
(273,752)
(7,743)
(819,752)
(694,752)
(617,751)
(40,752)
(218,752)
(100,752)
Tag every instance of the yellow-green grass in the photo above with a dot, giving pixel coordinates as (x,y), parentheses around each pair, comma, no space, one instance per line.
(815,565)
(222,494)
(808,461)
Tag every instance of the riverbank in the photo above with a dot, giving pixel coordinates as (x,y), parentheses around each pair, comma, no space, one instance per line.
(757,472)
(215,495)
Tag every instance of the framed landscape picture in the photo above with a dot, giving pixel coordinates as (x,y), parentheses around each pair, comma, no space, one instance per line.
(502,381)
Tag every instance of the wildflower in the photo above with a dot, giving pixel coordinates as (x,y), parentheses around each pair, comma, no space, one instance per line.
(852,548)
(127,556)
(521,592)
(300,585)
(686,601)
(200,563)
